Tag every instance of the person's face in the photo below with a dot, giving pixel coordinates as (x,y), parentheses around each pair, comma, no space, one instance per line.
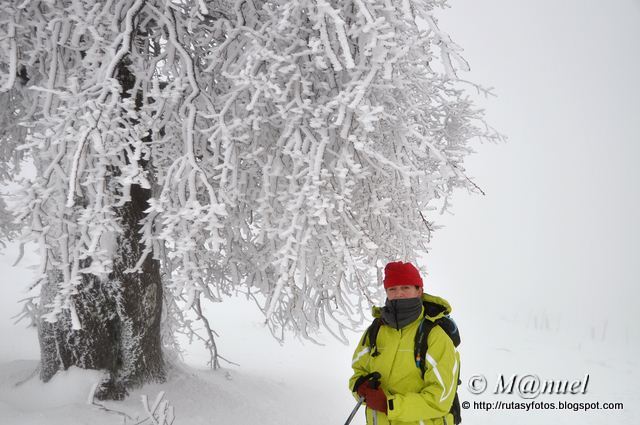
(403,291)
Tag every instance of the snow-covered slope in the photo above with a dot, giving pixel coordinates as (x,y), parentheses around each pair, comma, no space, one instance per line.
(195,397)
(306,384)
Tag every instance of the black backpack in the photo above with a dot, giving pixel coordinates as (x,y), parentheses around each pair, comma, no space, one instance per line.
(420,344)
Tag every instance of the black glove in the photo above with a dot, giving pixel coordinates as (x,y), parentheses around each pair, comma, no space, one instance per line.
(372,380)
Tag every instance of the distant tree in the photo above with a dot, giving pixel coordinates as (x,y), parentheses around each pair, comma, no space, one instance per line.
(187,150)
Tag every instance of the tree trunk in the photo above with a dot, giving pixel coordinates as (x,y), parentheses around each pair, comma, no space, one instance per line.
(120,317)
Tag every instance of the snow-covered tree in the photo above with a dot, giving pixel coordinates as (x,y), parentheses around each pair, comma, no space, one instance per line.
(186,150)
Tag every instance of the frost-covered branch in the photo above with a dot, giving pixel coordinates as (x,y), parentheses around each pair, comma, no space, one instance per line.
(289,148)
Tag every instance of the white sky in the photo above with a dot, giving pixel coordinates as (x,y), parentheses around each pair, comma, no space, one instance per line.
(558,229)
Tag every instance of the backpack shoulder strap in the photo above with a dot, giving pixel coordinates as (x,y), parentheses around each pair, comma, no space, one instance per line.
(371,335)
(420,345)
(422,334)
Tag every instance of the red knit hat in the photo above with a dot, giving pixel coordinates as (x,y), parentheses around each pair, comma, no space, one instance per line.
(399,274)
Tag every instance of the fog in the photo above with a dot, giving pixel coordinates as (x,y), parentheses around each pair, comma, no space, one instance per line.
(556,234)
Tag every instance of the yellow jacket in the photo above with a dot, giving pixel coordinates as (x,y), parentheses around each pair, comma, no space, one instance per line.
(412,398)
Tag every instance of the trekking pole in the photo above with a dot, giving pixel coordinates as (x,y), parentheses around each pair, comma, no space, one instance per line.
(355,409)
(374,379)
(374,414)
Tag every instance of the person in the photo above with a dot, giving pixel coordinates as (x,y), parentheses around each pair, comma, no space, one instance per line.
(399,393)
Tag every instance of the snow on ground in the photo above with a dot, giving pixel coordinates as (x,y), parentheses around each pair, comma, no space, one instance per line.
(306,384)
(196,396)
(303,383)
(280,384)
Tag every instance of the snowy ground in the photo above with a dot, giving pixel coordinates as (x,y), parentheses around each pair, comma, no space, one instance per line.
(306,384)
(299,384)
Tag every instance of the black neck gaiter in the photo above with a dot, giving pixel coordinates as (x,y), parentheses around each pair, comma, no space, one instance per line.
(399,313)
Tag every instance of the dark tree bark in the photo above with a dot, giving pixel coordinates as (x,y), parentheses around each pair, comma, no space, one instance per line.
(120,316)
